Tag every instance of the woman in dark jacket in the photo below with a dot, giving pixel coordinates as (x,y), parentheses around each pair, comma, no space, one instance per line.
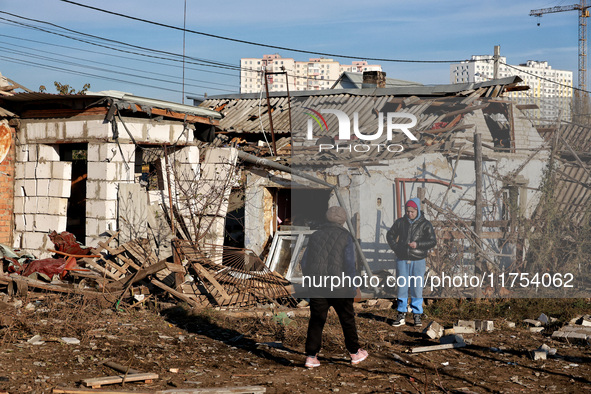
(410,238)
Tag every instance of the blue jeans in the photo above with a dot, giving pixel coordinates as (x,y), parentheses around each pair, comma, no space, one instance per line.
(410,276)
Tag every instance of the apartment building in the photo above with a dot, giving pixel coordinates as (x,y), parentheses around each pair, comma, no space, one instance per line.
(550,89)
(314,74)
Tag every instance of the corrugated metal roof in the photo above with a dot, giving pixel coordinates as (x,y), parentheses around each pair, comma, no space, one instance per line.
(249,114)
(354,78)
(142,101)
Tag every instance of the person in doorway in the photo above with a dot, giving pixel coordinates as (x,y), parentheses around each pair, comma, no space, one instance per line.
(411,237)
(331,253)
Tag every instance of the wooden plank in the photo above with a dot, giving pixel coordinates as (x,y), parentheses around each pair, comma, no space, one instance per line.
(437,347)
(63,112)
(176,268)
(139,253)
(203,272)
(135,377)
(175,293)
(87,390)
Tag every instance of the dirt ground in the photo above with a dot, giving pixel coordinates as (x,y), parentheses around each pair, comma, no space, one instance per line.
(208,348)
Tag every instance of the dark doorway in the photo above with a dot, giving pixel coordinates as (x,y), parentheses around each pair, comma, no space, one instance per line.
(77,154)
(303,207)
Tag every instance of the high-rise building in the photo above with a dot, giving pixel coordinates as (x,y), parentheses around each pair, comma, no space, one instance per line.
(550,89)
(314,74)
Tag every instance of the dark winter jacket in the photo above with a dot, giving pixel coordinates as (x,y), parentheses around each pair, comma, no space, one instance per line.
(330,252)
(405,231)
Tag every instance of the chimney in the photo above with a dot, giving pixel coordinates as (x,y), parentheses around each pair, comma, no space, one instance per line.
(374,79)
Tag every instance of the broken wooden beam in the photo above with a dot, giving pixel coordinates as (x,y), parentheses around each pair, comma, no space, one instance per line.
(431,348)
(136,377)
(175,293)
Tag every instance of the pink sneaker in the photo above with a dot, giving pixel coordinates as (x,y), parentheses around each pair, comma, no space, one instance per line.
(312,362)
(359,356)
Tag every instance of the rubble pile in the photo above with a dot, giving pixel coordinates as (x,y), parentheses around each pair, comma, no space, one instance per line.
(112,273)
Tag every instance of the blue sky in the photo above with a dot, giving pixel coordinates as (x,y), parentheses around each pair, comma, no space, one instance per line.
(392,29)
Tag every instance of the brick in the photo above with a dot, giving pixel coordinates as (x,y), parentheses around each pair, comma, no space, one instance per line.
(539,355)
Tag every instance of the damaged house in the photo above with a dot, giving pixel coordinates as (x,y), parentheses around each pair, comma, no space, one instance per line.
(372,173)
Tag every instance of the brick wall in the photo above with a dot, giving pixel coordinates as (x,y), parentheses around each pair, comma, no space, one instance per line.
(7,192)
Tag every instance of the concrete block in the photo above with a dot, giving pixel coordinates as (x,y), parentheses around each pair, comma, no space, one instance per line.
(101,209)
(433,330)
(577,336)
(124,173)
(42,204)
(187,155)
(61,170)
(534,323)
(19,204)
(19,188)
(101,190)
(463,330)
(221,156)
(158,133)
(31,205)
(559,334)
(43,187)
(17,239)
(536,329)
(60,223)
(22,153)
(539,355)
(465,323)
(48,152)
(59,188)
(75,129)
(35,241)
(30,170)
(102,171)
(484,325)
(93,241)
(30,187)
(45,223)
(93,150)
(128,153)
(510,324)
(105,225)
(58,206)
(19,170)
(19,223)
(43,170)
(92,226)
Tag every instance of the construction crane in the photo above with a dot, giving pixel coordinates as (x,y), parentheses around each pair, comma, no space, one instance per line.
(582,7)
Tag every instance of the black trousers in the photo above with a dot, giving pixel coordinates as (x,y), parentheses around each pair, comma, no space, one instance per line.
(319,312)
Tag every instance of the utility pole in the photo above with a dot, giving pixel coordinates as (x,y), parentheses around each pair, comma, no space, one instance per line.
(274,146)
(497,60)
(478,202)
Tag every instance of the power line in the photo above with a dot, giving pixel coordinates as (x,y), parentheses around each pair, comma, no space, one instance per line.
(116,56)
(254,43)
(54,68)
(202,62)
(21,53)
(545,79)
(106,64)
